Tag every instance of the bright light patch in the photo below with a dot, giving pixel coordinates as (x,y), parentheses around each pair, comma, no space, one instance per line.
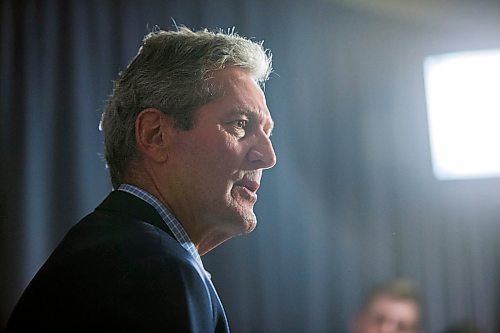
(463,106)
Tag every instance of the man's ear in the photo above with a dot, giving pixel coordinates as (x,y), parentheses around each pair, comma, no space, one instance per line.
(153,130)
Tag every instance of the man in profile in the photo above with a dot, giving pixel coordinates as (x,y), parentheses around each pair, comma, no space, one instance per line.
(187,136)
(392,307)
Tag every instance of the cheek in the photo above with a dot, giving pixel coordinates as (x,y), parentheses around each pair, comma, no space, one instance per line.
(216,157)
(226,154)
(214,164)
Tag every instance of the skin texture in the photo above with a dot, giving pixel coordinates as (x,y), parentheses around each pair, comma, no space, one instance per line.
(388,315)
(208,176)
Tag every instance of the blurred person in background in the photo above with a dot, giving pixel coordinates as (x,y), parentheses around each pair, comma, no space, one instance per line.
(391,307)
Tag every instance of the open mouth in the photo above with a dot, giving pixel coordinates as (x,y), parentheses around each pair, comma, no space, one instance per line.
(248,189)
(250,185)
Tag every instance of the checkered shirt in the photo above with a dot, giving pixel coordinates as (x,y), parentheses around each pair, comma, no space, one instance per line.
(172,223)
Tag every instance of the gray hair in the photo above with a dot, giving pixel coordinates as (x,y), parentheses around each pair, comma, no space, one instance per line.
(171,73)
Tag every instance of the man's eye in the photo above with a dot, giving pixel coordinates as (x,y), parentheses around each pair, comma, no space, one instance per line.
(241,123)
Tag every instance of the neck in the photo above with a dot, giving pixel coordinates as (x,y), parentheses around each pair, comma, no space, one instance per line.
(209,239)
(203,237)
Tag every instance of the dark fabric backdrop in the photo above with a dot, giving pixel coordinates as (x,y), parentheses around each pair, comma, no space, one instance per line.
(352,200)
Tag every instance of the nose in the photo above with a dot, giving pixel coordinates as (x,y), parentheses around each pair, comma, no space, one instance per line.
(262,153)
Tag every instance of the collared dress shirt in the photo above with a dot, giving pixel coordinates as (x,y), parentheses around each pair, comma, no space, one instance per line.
(169,219)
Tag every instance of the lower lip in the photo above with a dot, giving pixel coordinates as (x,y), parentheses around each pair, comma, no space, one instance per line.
(247,194)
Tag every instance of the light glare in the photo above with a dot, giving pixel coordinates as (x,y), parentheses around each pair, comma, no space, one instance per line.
(463,106)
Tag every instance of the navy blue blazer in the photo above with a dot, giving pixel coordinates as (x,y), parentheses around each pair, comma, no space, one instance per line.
(120,269)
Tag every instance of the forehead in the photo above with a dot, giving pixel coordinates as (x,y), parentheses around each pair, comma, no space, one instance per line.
(396,309)
(241,94)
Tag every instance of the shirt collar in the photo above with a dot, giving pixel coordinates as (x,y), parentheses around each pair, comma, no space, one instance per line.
(177,230)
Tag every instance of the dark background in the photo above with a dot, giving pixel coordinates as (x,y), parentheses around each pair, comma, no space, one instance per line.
(352,200)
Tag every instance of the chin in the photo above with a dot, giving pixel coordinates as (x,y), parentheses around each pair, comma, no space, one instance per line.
(239,218)
(249,222)
(243,223)
(250,226)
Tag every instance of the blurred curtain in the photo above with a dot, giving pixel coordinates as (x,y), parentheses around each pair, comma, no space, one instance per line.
(351,202)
